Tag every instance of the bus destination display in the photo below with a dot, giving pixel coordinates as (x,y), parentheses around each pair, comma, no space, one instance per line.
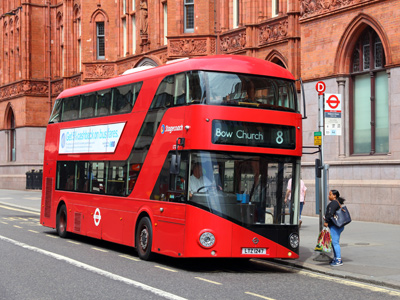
(253,134)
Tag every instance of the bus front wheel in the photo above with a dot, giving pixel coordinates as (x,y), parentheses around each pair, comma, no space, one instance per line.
(144,238)
(61,221)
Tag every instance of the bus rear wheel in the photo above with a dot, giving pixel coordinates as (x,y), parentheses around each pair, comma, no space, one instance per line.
(61,221)
(144,239)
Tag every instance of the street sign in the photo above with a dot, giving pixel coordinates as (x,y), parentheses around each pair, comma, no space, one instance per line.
(333,102)
(317,138)
(320,87)
(333,114)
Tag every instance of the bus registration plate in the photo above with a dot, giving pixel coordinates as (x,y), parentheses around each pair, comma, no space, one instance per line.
(254,250)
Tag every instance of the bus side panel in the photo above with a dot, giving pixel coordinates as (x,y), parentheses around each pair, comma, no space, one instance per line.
(48,205)
(169,228)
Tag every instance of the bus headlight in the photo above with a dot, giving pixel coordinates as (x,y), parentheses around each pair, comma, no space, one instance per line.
(207,239)
(294,240)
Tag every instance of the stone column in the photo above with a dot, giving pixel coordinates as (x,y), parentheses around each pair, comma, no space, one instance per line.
(341,81)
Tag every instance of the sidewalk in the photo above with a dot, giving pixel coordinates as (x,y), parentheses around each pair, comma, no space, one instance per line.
(370,251)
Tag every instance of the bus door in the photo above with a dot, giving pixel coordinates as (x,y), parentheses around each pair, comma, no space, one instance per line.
(170,210)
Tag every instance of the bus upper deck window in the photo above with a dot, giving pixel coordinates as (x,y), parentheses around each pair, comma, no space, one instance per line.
(249,90)
(70,109)
(56,114)
(103,103)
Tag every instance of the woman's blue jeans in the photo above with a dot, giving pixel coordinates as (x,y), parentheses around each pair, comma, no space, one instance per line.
(301,208)
(335,234)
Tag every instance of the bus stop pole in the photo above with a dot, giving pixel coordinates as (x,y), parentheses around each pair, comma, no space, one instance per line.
(322,189)
(322,179)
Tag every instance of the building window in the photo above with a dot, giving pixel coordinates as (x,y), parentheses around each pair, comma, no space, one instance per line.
(133,34)
(370,99)
(100,40)
(79,46)
(189,15)
(11,136)
(60,47)
(124,37)
(236,13)
(77,37)
(165,14)
(275,8)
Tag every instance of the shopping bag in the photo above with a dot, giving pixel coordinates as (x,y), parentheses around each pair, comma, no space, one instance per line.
(324,242)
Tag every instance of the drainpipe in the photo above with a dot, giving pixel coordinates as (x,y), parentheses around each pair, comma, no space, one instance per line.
(49,54)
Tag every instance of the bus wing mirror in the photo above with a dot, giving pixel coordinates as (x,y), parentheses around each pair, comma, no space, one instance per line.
(175,164)
(303,98)
(176,158)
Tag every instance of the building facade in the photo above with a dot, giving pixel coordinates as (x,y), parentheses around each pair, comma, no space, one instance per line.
(352,45)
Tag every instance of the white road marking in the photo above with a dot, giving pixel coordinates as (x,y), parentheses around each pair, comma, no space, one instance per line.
(73,242)
(95,270)
(130,257)
(98,249)
(210,281)
(166,269)
(259,296)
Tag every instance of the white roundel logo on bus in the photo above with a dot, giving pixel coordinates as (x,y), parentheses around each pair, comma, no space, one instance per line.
(97,217)
(162,129)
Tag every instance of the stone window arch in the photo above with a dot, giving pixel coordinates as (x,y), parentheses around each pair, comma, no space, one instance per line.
(363,135)
(77,39)
(99,22)
(11,134)
(369,99)
(277,58)
(59,45)
(146,62)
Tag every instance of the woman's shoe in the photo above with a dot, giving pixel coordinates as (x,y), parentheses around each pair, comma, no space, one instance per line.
(336,263)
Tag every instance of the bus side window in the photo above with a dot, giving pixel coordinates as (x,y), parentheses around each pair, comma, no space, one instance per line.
(122,99)
(65,176)
(171,187)
(196,91)
(117,178)
(56,114)
(98,177)
(88,104)
(70,108)
(180,89)
(165,93)
(83,177)
(103,103)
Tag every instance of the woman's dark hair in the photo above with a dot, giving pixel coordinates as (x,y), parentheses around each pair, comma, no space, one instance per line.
(337,194)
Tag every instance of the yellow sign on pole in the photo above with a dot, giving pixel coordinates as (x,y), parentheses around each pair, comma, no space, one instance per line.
(317,138)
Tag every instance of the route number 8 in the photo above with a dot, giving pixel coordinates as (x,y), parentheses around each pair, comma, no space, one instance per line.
(279,137)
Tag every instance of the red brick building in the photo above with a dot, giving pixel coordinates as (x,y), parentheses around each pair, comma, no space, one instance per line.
(49,45)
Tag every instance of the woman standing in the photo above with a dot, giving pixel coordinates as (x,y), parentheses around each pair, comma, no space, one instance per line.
(333,206)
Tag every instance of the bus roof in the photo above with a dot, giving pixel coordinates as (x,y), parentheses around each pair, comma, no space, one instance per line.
(220,63)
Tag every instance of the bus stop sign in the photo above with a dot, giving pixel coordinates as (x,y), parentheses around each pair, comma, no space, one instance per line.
(320,87)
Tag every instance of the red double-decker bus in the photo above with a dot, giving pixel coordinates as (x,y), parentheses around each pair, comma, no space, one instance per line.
(188,159)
